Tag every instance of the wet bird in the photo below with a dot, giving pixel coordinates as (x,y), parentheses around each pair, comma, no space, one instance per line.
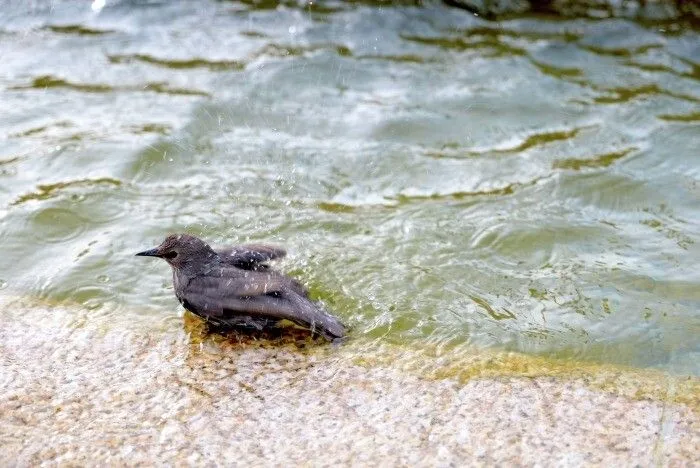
(234,287)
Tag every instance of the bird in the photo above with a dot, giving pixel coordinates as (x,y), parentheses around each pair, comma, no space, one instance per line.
(235,287)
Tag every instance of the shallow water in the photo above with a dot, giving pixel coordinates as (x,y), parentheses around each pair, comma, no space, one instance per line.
(532,185)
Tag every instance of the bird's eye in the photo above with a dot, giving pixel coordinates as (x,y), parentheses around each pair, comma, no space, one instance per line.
(170,255)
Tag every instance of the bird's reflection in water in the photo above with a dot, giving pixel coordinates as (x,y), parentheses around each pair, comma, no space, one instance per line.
(285,333)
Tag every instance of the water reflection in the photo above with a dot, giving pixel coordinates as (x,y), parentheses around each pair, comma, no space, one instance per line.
(198,332)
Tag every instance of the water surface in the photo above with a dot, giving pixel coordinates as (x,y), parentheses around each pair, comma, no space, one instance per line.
(531,185)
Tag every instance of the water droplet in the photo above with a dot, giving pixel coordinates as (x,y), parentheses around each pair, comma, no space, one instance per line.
(97,5)
(103,279)
(3,284)
(56,225)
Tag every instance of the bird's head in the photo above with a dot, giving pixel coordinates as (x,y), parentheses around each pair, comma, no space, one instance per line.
(182,250)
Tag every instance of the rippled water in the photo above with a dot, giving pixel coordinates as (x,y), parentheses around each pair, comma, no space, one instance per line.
(531,184)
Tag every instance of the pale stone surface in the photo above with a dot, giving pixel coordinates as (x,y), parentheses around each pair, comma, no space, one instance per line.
(143,395)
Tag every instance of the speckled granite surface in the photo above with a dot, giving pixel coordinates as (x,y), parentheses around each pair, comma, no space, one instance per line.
(95,394)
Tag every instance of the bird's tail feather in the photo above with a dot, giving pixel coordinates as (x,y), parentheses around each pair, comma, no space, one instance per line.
(317,318)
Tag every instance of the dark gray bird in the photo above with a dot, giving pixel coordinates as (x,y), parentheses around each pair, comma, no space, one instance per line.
(235,287)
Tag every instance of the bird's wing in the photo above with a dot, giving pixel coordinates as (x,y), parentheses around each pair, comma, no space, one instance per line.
(250,256)
(234,282)
(259,294)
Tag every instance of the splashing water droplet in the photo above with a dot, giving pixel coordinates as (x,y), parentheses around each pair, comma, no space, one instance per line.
(98,5)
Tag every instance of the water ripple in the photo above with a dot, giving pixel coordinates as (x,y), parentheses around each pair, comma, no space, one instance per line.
(525,143)
(48,82)
(48,191)
(57,225)
(183,64)
(598,161)
(78,30)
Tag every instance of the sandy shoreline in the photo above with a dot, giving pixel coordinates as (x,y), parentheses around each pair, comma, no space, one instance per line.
(95,395)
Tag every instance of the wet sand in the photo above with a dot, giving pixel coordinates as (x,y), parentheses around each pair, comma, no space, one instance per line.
(98,394)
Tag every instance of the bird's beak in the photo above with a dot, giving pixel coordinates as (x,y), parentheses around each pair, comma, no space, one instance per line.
(149,253)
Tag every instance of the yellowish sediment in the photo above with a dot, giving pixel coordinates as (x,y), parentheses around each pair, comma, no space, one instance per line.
(466,364)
